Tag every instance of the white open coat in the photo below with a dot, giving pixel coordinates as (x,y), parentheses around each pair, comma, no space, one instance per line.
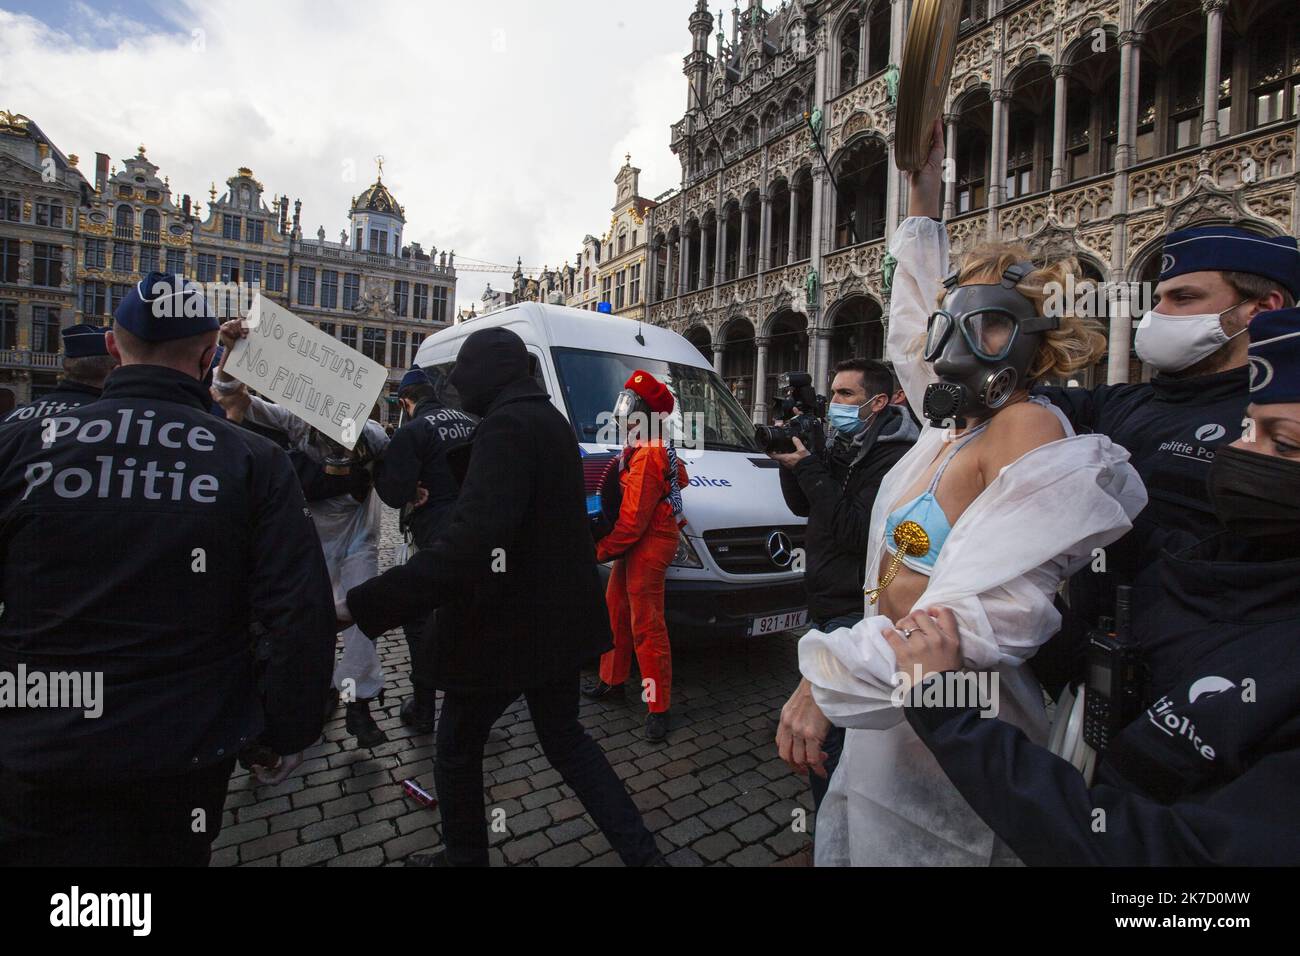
(1037,523)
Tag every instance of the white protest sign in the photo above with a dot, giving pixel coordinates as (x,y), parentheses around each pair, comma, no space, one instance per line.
(310,373)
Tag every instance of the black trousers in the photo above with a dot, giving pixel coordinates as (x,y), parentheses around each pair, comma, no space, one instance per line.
(833,746)
(420,637)
(145,822)
(463,728)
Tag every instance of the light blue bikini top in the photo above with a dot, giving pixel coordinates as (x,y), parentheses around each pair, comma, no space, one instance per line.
(926,512)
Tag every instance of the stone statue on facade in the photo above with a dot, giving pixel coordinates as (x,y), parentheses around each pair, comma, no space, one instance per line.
(887,266)
(815,121)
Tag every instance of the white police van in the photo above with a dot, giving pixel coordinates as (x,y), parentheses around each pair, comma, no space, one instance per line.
(736,572)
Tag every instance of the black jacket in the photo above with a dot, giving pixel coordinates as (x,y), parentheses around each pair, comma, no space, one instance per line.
(418,455)
(1171,427)
(1210,774)
(67,396)
(116,559)
(514,570)
(836,495)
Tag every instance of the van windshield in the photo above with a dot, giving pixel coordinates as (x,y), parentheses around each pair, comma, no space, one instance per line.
(591,381)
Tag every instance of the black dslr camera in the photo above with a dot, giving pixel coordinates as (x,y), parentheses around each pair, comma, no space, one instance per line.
(1117,676)
(801,411)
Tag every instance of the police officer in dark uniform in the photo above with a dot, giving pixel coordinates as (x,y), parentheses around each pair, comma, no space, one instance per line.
(144,541)
(415,477)
(86,364)
(1209,772)
(1214,280)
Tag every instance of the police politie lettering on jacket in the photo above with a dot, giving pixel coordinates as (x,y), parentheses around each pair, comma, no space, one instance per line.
(35,410)
(450,424)
(124,474)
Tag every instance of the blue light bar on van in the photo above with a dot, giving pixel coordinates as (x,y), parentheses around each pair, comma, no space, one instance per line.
(605,308)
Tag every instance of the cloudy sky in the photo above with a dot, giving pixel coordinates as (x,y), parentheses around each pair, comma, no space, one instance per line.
(502,122)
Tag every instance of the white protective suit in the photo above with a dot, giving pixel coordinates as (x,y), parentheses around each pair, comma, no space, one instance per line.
(349,534)
(1038,522)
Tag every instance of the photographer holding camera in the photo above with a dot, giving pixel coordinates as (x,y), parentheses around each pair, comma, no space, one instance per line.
(835,490)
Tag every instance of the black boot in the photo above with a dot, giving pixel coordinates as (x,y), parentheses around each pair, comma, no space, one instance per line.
(361,724)
(419,715)
(657,726)
(599,690)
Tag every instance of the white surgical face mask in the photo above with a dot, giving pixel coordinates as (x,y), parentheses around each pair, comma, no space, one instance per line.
(1172,343)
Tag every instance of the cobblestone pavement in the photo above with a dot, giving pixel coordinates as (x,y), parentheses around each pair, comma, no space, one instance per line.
(714,793)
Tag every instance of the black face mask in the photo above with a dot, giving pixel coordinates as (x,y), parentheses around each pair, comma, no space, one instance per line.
(1257,496)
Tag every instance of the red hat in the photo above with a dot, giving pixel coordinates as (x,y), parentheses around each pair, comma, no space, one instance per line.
(655,393)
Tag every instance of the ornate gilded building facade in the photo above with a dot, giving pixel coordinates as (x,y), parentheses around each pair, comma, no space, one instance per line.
(613,268)
(131,227)
(71,250)
(41,191)
(242,240)
(1075,126)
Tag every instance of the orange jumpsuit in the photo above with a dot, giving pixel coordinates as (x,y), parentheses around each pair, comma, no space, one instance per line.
(646,535)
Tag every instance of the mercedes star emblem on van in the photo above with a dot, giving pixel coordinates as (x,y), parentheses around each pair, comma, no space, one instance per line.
(780,549)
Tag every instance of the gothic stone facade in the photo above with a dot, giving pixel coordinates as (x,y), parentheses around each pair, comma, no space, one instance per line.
(1075,126)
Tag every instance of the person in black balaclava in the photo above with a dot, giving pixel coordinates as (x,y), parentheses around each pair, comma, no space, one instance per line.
(514,578)
(1209,773)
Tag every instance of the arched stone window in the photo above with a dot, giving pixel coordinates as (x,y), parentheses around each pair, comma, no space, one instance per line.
(850,53)
(861,171)
(124,223)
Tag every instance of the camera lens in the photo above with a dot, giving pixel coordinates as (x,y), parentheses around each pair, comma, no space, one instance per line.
(774,438)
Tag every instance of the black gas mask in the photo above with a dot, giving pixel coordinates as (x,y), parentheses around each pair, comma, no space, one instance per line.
(337,459)
(981,344)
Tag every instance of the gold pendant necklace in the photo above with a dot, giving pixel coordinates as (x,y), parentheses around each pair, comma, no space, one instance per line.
(910,540)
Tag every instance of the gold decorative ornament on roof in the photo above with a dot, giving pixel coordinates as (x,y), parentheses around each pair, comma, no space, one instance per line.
(15,123)
(378,199)
(243,172)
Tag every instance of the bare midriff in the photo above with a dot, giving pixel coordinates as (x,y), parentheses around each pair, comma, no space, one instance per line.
(903,592)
